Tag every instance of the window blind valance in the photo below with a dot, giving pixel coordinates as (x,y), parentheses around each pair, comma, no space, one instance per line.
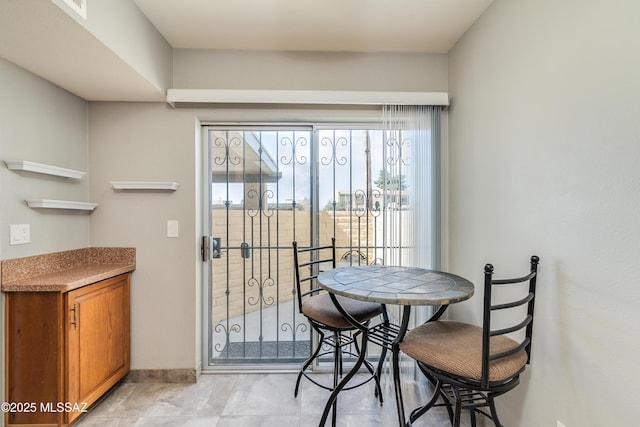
(310,97)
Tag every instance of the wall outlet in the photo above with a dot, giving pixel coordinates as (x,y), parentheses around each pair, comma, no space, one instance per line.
(19,234)
(560,424)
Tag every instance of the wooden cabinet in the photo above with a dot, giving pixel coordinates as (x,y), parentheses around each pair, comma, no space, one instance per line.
(65,350)
(97,339)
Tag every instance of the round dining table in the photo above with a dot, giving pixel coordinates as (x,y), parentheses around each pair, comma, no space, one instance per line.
(390,285)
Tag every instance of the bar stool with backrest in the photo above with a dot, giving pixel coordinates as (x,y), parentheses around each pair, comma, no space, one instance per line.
(332,327)
(471,365)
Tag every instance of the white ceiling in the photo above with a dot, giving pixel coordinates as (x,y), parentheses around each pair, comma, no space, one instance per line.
(314,25)
(37,36)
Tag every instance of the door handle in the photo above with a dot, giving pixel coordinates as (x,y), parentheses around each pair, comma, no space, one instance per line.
(245,252)
(74,322)
(204,248)
(211,247)
(216,249)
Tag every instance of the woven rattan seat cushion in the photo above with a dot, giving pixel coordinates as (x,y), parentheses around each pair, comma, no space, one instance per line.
(321,309)
(456,348)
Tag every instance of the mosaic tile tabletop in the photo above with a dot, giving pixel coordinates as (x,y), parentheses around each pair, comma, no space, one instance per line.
(396,285)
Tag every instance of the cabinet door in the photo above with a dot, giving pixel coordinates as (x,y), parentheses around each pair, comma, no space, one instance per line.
(98,343)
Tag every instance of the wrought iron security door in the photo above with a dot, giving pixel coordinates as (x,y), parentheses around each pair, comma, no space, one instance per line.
(270,186)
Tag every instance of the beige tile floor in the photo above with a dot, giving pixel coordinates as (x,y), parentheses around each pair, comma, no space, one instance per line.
(239,400)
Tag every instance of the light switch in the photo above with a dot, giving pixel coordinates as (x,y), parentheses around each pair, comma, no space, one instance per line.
(19,234)
(172,228)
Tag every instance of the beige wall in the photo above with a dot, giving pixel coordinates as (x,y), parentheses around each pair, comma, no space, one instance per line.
(41,123)
(544,149)
(201,69)
(122,27)
(150,142)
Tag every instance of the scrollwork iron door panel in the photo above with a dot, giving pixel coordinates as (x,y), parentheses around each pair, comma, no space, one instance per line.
(270,186)
(260,203)
(357,194)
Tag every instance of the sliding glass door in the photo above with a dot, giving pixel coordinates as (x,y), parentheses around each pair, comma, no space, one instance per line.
(272,185)
(260,202)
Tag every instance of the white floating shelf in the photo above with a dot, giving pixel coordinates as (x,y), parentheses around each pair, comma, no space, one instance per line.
(60,204)
(24,165)
(129,185)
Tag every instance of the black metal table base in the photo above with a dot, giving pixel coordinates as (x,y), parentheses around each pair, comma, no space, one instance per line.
(388,336)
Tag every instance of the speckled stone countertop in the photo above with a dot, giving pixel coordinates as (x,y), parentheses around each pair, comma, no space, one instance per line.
(65,271)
